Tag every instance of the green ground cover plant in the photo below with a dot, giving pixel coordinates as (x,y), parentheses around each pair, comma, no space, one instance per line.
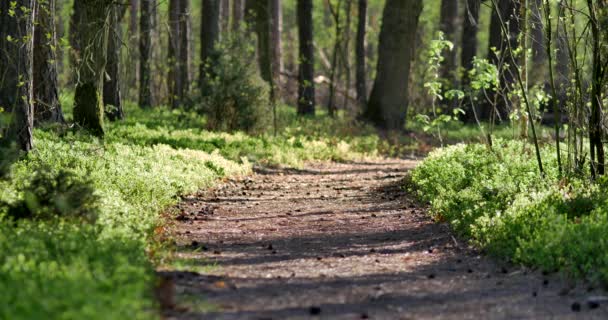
(94,259)
(497,199)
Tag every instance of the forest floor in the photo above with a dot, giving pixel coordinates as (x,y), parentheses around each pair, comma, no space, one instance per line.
(345,241)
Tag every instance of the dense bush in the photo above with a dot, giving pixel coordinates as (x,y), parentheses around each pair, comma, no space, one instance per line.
(498,199)
(233,96)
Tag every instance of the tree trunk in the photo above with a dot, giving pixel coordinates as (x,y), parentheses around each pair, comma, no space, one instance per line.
(306,84)
(595,122)
(336,14)
(46,97)
(133,76)
(387,107)
(238,10)
(112,98)
(470,26)
(145,51)
(262,17)
(91,21)
(539,53)
(225,15)
(448,24)
(185,49)
(210,34)
(508,12)
(179,51)
(16,62)
(276,27)
(361,75)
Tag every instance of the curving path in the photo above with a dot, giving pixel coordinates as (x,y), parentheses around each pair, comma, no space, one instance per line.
(345,241)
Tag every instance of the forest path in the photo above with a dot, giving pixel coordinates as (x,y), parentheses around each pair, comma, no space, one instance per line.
(344,241)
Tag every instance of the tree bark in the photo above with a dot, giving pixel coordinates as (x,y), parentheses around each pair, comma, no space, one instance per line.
(336,15)
(361,75)
(276,29)
(238,10)
(179,51)
(112,97)
(508,12)
(595,122)
(470,27)
(16,63)
(306,85)
(46,96)
(146,24)
(262,25)
(539,53)
(225,15)
(448,24)
(91,21)
(210,34)
(387,106)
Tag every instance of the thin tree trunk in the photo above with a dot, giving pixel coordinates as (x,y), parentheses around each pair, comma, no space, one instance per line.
(345,55)
(238,10)
(210,34)
(539,52)
(448,24)
(92,21)
(145,52)
(276,30)
(179,51)
(595,125)
(361,85)
(469,36)
(46,96)
(387,106)
(112,97)
(16,62)
(336,14)
(306,85)
(263,28)
(185,49)
(133,76)
(225,15)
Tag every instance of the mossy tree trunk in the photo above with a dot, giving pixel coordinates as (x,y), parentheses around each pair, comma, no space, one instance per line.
(46,97)
(91,20)
(388,102)
(16,60)
(306,73)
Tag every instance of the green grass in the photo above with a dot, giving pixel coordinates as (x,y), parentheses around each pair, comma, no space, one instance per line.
(66,268)
(498,200)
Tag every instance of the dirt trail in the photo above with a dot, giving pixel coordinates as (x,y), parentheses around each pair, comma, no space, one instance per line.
(344,241)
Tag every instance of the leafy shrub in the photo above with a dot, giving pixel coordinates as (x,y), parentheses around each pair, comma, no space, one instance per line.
(234,97)
(498,199)
(49,194)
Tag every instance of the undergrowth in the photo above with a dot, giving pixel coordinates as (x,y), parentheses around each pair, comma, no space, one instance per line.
(498,199)
(94,258)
